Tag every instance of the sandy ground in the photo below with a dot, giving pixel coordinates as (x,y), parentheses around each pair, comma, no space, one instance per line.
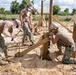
(30,64)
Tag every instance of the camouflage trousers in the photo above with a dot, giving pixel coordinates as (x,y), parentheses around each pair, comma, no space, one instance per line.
(27,32)
(59,45)
(67,54)
(3,46)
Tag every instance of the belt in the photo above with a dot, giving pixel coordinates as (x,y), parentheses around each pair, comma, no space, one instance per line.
(69,46)
(25,21)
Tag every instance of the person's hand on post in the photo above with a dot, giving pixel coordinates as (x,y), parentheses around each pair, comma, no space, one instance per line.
(50,35)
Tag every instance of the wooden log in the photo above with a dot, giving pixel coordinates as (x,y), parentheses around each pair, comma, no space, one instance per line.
(41,38)
(51,57)
(45,46)
(69,21)
(42,12)
(32,47)
(61,24)
(74,55)
(50,14)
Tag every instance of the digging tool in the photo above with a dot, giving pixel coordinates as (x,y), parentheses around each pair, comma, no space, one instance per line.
(13,39)
(18,51)
(16,34)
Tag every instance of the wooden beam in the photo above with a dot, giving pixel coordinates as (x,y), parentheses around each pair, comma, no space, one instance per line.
(74,55)
(69,21)
(42,12)
(32,47)
(51,57)
(42,7)
(41,38)
(61,24)
(50,14)
(45,46)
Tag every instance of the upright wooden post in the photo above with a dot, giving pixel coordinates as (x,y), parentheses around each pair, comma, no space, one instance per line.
(45,46)
(50,13)
(42,7)
(42,12)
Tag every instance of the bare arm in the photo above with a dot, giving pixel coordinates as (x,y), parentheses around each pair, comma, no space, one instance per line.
(30,21)
(8,34)
(52,38)
(20,16)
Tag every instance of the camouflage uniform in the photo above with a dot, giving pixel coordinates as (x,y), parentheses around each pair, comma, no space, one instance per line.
(64,39)
(59,45)
(2,45)
(2,41)
(27,32)
(67,54)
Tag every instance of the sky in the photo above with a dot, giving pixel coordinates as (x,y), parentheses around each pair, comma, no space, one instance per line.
(62,3)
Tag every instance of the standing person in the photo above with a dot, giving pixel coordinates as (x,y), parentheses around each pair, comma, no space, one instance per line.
(6,28)
(62,38)
(26,22)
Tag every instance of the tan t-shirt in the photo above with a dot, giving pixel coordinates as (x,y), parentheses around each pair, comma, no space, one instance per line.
(26,14)
(64,37)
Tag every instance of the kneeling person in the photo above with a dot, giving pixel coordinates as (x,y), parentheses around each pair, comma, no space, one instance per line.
(62,38)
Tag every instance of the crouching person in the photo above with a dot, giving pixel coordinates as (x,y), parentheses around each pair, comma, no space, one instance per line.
(6,28)
(62,38)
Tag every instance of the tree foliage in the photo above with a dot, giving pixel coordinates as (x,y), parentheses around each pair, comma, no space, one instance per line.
(66,11)
(14,7)
(74,11)
(56,9)
(23,4)
(2,10)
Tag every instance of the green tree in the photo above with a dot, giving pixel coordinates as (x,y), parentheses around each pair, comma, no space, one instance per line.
(14,7)
(66,11)
(2,10)
(23,4)
(56,9)
(32,2)
(8,12)
(73,12)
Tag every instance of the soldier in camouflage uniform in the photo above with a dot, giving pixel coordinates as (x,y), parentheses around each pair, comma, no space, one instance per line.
(6,28)
(26,22)
(62,38)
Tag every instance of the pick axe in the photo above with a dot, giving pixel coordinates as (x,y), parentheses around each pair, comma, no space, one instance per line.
(16,34)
